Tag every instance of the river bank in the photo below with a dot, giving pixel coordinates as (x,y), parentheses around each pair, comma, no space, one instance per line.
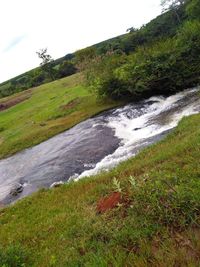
(95,145)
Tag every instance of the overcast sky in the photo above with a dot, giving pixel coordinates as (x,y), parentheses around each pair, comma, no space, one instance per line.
(63,26)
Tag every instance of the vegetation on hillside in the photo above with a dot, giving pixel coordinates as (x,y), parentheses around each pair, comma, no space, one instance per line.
(156,224)
(59,68)
(166,63)
(165,26)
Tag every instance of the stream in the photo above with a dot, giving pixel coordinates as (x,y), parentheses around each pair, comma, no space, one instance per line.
(97,144)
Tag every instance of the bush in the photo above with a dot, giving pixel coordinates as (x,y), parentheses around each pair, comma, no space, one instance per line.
(66,68)
(101,75)
(165,67)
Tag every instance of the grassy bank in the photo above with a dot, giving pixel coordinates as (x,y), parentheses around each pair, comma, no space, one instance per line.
(156,224)
(37,114)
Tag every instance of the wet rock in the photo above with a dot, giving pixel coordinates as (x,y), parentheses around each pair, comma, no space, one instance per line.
(57,184)
(16,190)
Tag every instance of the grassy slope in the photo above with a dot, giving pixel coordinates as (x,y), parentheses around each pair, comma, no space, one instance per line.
(42,116)
(158,225)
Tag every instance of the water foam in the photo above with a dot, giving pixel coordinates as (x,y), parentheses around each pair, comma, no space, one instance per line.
(136,131)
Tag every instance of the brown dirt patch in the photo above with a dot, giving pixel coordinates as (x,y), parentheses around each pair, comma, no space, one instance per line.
(14,101)
(109,202)
(73,103)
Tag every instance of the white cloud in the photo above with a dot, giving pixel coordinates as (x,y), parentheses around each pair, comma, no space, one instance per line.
(63,26)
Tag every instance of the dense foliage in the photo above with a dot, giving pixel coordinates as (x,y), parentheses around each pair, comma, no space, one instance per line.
(165,65)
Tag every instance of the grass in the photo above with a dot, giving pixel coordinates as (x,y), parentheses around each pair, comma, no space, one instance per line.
(157,224)
(48,110)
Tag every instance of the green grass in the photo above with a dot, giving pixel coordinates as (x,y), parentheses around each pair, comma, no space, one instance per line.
(43,115)
(156,225)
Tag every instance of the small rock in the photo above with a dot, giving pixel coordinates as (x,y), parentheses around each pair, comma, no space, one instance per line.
(16,190)
(57,184)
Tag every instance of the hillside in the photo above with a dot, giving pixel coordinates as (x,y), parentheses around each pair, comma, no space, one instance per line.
(156,224)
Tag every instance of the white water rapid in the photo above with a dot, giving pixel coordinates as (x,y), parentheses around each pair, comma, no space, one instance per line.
(95,145)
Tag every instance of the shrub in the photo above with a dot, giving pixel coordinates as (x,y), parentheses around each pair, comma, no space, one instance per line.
(164,67)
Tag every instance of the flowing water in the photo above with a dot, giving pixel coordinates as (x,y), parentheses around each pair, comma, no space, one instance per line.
(97,144)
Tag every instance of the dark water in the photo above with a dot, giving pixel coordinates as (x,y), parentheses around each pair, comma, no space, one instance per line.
(96,144)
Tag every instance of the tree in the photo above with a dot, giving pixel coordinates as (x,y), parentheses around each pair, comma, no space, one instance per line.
(37,77)
(46,63)
(193,9)
(84,57)
(132,29)
(66,68)
(172,5)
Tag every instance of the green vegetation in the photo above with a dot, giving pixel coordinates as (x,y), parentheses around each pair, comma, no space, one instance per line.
(163,26)
(46,64)
(38,114)
(59,68)
(157,224)
(164,64)
(13,256)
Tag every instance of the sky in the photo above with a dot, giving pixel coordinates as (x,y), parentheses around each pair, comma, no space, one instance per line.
(63,26)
